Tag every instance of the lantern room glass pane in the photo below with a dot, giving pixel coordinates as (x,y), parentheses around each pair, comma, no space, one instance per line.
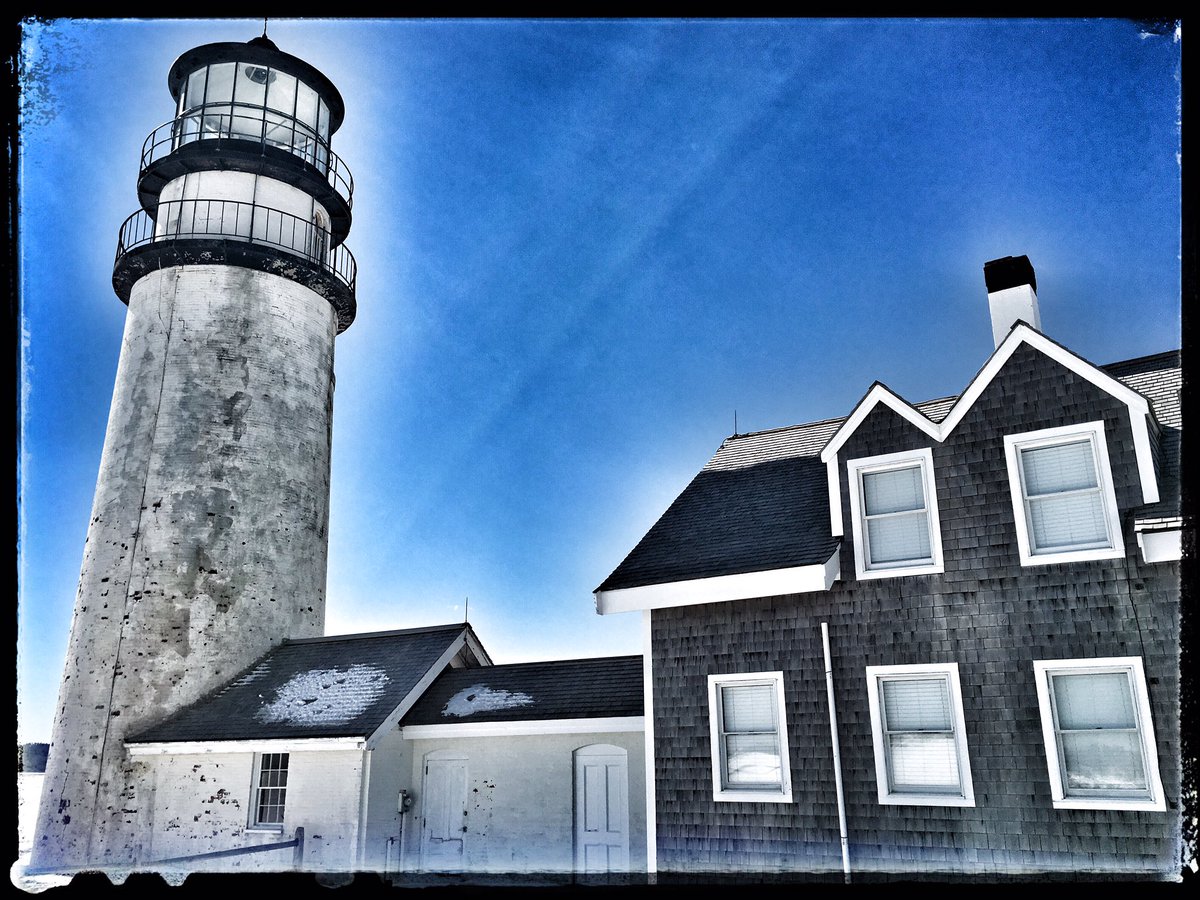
(281,92)
(220,83)
(193,94)
(323,121)
(252,84)
(306,105)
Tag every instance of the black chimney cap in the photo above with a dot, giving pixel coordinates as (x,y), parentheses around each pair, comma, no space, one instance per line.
(1008,272)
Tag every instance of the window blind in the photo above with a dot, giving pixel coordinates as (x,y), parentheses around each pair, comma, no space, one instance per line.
(919,725)
(750,735)
(1063,497)
(897,522)
(1097,727)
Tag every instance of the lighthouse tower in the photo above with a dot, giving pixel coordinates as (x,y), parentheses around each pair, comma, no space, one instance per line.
(208,539)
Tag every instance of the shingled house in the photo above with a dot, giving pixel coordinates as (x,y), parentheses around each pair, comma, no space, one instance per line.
(401,752)
(939,637)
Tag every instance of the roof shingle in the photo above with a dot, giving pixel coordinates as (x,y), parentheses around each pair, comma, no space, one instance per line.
(337,686)
(762,502)
(558,689)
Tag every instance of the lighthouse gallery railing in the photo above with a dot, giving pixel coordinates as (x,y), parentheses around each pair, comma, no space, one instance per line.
(219,122)
(237,220)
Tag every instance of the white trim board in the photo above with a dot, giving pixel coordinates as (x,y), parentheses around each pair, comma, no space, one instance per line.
(648,706)
(419,688)
(720,588)
(1094,433)
(265,745)
(923,458)
(598,725)
(1139,409)
(1060,797)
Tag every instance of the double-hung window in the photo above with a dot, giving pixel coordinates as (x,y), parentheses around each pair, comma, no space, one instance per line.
(749,738)
(920,740)
(895,515)
(1100,749)
(1062,494)
(270,790)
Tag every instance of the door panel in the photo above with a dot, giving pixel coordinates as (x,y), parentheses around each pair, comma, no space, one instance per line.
(444,818)
(601,809)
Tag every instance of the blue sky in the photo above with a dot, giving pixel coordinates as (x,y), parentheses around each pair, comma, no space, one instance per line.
(581,247)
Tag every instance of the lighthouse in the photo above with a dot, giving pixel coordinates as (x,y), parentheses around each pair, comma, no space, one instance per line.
(208,535)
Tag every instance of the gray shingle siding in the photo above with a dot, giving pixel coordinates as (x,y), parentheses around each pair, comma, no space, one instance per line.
(988,614)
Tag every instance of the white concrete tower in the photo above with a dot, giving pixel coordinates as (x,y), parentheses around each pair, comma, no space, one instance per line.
(208,537)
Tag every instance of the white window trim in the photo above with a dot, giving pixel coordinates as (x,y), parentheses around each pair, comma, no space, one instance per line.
(784,795)
(254,825)
(1042,670)
(1014,443)
(854,470)
(888,797)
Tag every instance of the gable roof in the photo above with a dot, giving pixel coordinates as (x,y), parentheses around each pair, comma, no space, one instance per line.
(763,501)
(1021,333)
(342,686)
(559,689)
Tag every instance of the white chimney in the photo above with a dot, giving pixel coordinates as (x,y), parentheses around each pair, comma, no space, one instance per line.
(1012,294)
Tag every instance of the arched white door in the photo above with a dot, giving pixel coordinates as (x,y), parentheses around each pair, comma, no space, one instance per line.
(444,811)
(601,809)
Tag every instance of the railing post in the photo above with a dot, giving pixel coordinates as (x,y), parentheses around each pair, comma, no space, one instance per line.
(298,853)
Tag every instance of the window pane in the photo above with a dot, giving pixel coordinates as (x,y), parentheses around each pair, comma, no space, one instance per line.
(1093,700)
(220,83)
(748,707)
(194,95)
(252,84)
(901,537)
(323,121)
(281,93)
(1071,521)
(916,704)
(752,759)
(1103,760)
(893,491)
(1063,467)
(925,762)
(306,105)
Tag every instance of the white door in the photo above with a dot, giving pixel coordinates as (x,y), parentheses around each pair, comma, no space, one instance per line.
(601,809)
(444,812)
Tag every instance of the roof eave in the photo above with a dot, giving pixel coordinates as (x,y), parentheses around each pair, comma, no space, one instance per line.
(722,588)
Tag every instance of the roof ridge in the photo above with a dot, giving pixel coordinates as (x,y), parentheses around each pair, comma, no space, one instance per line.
(547,662)
(362,635)
(830,421)
(1142,359)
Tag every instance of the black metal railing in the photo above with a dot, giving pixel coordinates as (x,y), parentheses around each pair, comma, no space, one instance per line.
(267,128)
(236,220)
(296,844)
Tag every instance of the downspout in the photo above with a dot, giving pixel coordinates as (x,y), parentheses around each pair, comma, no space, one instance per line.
(837,754)
(648,718)
(363,797)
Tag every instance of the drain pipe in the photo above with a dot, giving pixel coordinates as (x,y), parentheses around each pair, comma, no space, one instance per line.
(837,754)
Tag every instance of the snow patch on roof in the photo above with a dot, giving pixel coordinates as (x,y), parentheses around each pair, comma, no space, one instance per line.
(481,698)
(325,696)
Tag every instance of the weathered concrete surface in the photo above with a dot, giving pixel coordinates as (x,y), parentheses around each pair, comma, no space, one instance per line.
(208,538)
(203,803)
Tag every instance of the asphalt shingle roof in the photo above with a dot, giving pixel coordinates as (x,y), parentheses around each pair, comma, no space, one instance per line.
(560,689)
(1159,378)
(762,501)
(339,686)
